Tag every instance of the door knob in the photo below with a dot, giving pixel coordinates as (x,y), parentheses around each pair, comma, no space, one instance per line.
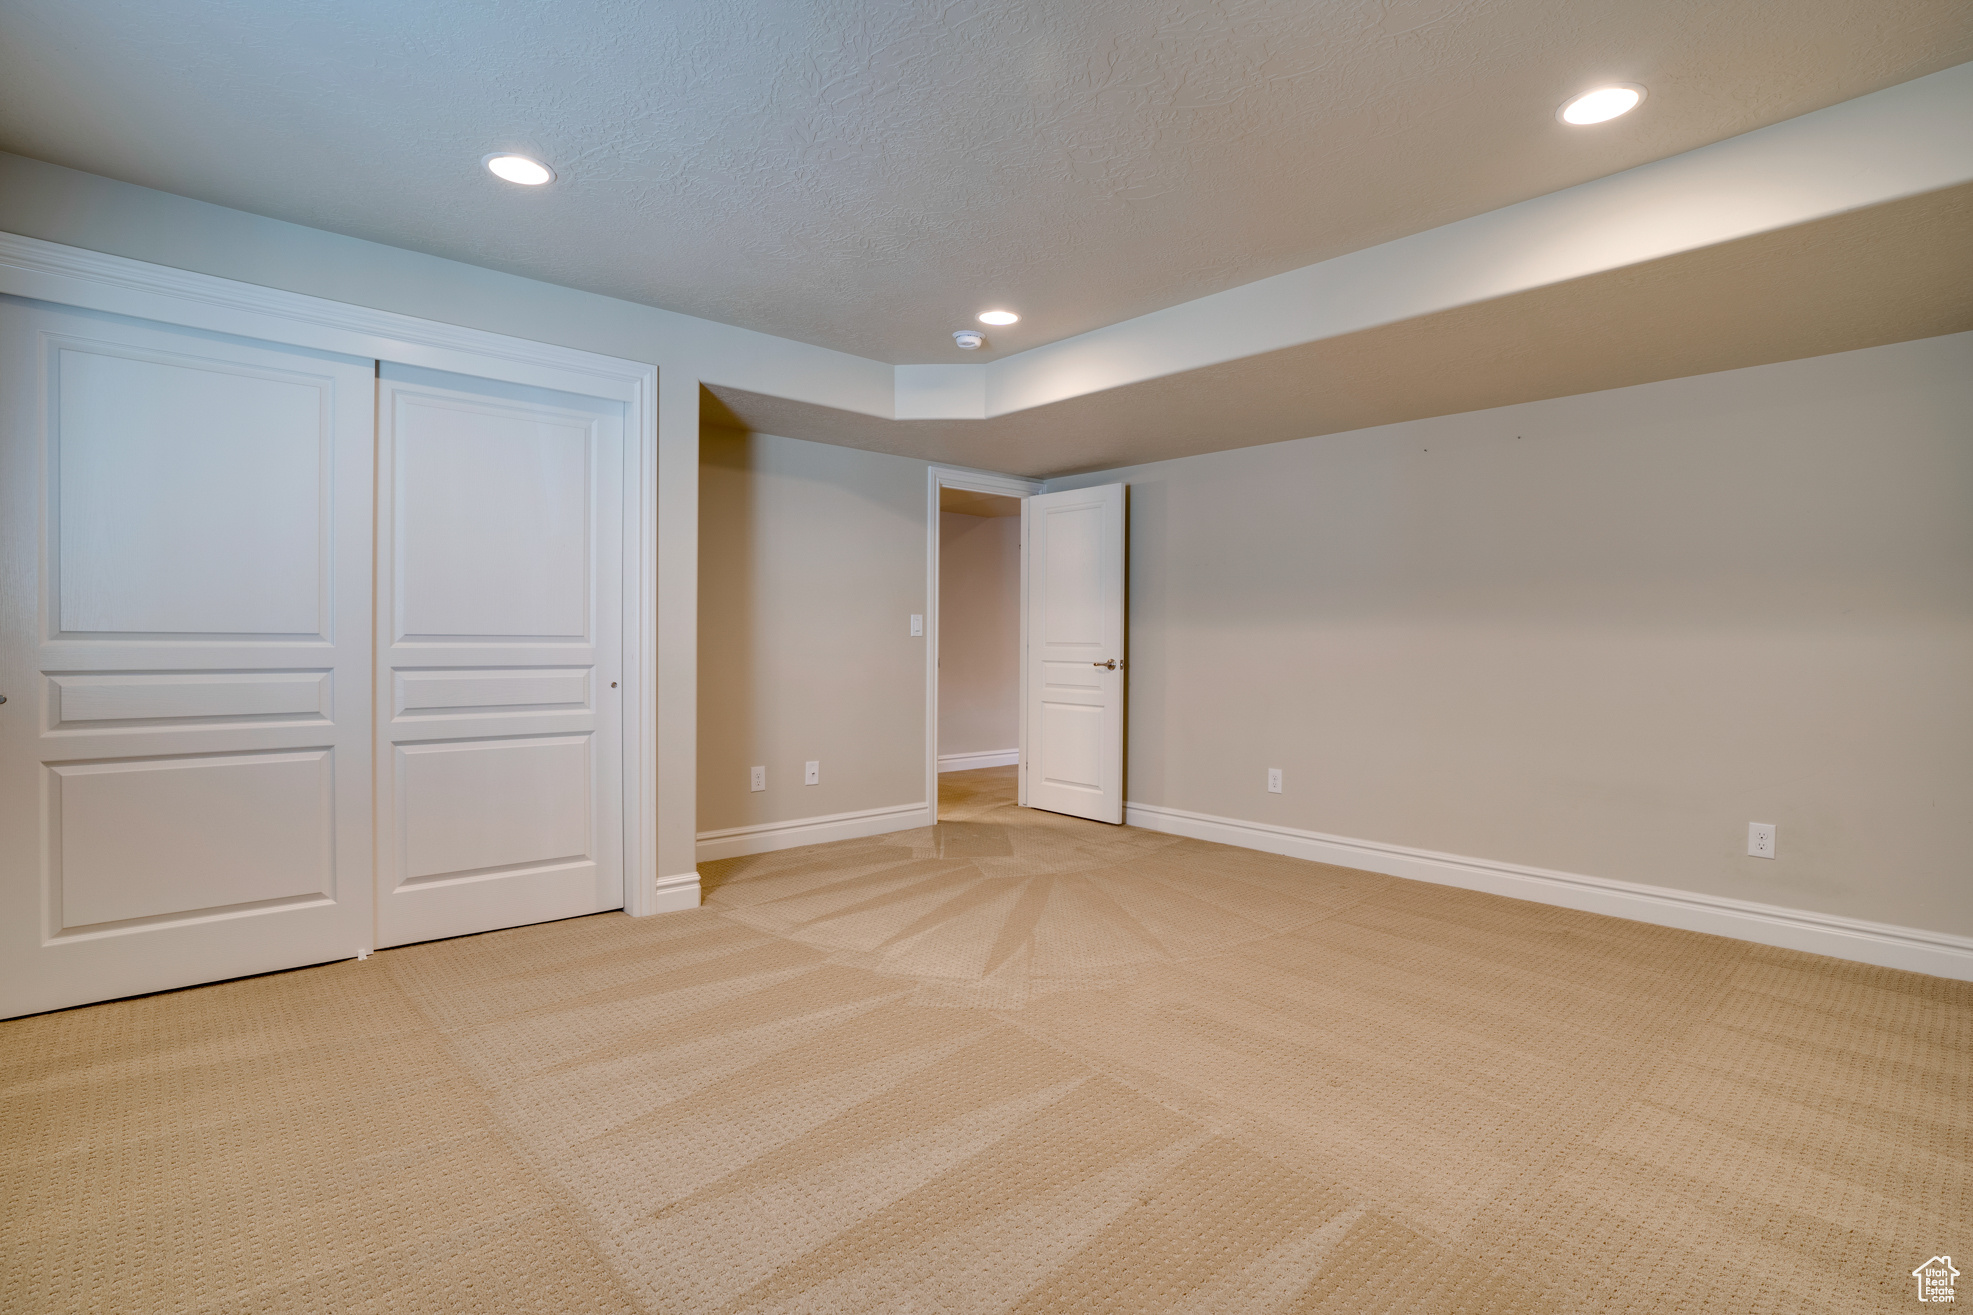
(1111,665)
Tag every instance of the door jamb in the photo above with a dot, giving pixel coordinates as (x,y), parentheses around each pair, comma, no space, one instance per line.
(973,481)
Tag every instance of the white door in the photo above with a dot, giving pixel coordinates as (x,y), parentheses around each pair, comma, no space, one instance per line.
(185,526)
(1072,760)
(500,607)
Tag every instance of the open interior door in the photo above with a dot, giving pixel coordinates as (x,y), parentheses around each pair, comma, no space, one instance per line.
(1072,737)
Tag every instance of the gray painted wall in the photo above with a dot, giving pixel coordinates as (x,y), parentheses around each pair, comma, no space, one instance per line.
(811,562)
(1599,634)
(979,633)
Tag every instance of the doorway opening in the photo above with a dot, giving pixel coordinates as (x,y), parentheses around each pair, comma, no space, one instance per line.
(973,701)
(979,666)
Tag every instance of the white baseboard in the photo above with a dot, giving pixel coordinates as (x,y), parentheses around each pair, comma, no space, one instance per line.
(1910,948)
(676,893)
(966,762)
(770,836)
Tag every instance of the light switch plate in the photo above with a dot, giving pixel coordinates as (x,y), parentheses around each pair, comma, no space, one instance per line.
(917,625)
(812,773)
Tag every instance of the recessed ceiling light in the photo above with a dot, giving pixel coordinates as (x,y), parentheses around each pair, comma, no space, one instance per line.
(1602,105)
(998,317)
(519,169)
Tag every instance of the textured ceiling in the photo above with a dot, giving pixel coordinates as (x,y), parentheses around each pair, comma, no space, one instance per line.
(1888,273)
(867,176)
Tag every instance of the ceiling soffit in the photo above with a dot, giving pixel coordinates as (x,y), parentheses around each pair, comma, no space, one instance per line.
(1901,142)
(868,177)
(1887,273)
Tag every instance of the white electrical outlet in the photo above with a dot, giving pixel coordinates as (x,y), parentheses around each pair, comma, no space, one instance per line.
(759,781)
(1274,780)
(917,625)
(812,774)
(1760,839)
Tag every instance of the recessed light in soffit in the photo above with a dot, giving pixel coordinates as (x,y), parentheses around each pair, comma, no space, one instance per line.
(1602,105)
(518,169)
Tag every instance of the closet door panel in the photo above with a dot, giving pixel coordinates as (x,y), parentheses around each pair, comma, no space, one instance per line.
(154,837)
(492,521)
(191,496)
(499,745)
(185,551)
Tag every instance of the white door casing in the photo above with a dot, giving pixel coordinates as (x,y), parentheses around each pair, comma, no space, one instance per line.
(185,649)
(500,610)
(1073,659)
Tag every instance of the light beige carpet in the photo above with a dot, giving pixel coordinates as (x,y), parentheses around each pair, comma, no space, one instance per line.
(1017,1062)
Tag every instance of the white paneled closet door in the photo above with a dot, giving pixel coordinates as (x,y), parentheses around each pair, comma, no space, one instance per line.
(185,651)
(500,619)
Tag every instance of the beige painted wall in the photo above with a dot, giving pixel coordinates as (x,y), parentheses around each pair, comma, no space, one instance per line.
(979,633)
(811,562)
(1598,634)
